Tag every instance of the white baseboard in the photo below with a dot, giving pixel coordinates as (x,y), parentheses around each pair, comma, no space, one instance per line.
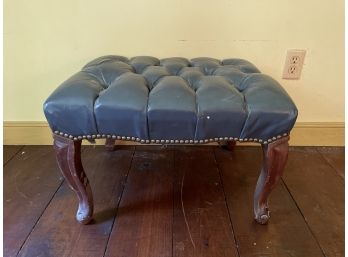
(303,134)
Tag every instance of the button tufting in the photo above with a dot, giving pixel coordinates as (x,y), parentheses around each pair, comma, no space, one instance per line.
(174,100)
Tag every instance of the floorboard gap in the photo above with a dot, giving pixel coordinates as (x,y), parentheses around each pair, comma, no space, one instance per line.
(119,201)
(223,190)
(13,156)
(304,218)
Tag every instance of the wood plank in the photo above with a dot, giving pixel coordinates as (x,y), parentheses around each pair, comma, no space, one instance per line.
(58,233)
(143,225)
(319,192)
(286,234)
(335,157)
(10,151)
(201,225)
(30,180)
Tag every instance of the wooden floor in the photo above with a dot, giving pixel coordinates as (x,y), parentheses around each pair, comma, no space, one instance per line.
(177,201)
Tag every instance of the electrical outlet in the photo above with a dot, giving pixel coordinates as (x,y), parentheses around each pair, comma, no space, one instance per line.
(293,64)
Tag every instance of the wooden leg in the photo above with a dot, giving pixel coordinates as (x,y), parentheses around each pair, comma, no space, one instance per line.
(68,153)
(275,156)
(110,144)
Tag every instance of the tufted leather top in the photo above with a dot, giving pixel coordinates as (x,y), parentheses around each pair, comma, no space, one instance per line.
(172,100)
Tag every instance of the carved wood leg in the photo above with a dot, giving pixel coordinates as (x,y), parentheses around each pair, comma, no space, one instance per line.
(68,153)
(275,156)
(110,144)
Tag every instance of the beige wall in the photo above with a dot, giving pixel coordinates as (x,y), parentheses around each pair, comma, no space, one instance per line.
(46,41)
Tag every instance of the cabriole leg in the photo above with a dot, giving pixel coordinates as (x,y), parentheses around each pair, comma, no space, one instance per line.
(275,156)
(68,153)
(110,144)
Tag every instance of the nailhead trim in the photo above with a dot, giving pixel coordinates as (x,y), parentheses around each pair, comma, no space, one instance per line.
(171,141)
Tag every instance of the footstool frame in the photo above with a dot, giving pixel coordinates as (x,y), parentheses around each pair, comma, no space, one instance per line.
(68,153)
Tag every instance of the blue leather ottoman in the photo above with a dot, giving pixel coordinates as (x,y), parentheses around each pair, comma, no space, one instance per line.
(170,101)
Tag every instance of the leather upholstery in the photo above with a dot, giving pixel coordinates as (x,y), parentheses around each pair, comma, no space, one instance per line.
(171,99)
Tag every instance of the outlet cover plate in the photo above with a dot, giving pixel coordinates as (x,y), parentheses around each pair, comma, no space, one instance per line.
(294,64)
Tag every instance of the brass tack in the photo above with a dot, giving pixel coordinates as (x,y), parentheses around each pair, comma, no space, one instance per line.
(108,136)
(133,138)
(79,137)
(236,139)
(88,136)
(167,141)
(269,140)
(285,134)
(201,141)
(274,138)
(172,141)
(142,141)
(211,140)
(162,141)
(279,136)
(176,141)
(260,140)
(66,135)
(93,136)
(98,136)
(103,135)
(75,138)
(56,132)
(128,138)
(216,139)
(61,133)
(118,137)
(221,138)
(206,140)
(195,141)
(123,137)
(255,139)
(84,137)
(147,141)
(137,139)
(113,136)
(226,138)
(265,143)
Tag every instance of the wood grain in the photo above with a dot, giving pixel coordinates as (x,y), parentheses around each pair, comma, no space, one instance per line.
(10,151)
(30,181)
(286,234)
(58,233)
(144,222)
(335,157)
(307,221)
(201,224)
(319,193)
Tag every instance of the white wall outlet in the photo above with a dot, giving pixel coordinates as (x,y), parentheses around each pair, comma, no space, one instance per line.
(293,64)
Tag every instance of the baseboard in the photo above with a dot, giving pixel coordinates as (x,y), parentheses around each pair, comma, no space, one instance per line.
(303,134)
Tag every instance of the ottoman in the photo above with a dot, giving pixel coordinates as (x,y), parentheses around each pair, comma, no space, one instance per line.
(170,101)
